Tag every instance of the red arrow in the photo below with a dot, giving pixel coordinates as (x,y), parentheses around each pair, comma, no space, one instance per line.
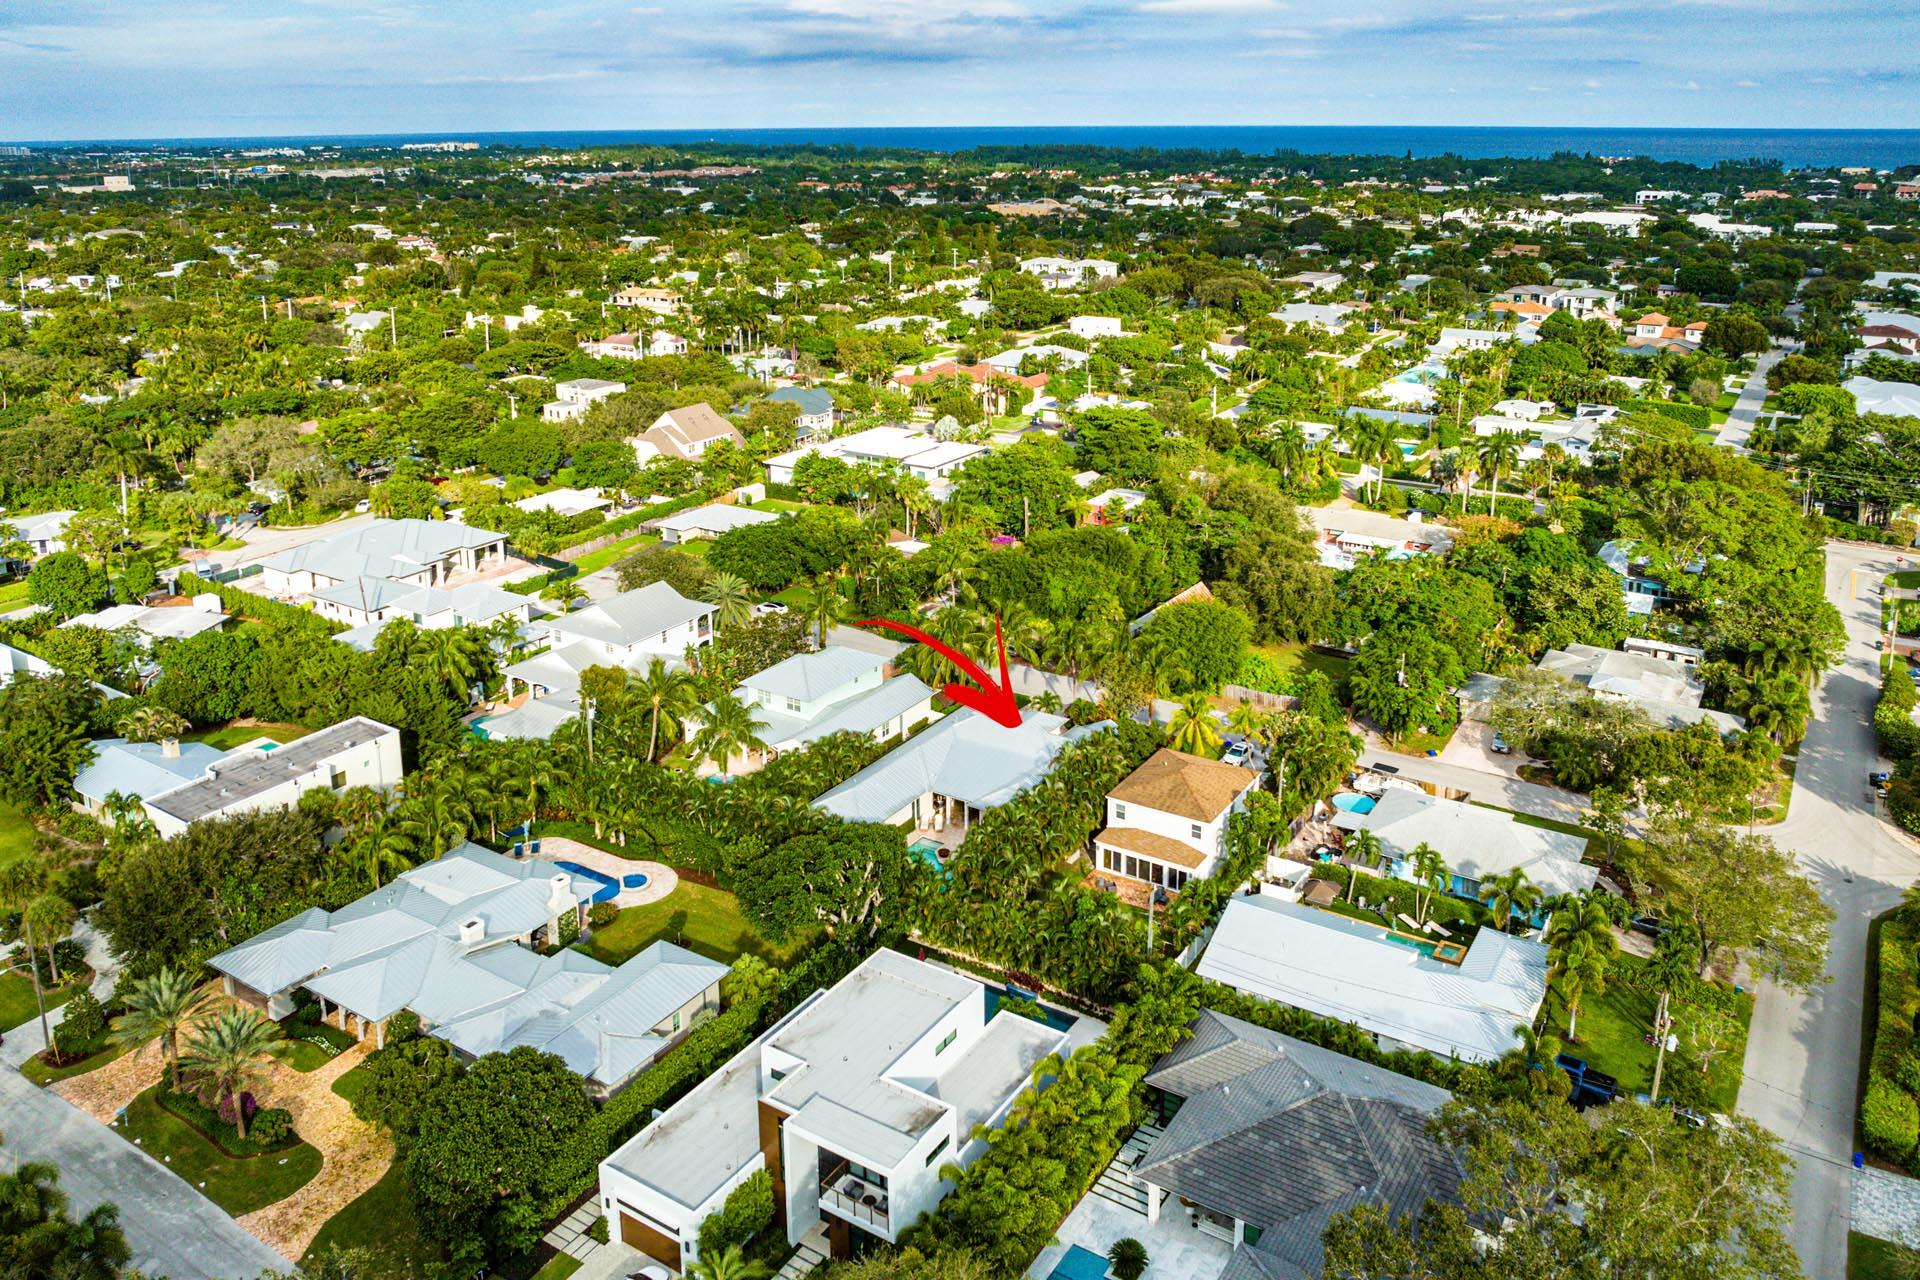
(992,700)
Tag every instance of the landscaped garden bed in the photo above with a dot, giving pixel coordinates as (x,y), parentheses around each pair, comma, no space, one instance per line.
(239,1176)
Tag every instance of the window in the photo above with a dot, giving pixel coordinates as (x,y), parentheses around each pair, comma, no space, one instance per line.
(778,1075)
(1196,829)
(676,1019)
(1119,811)
(945,1041)
(338,780)
(937,1152)
(793,704)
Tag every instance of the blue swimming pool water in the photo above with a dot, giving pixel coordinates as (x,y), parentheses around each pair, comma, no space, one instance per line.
(1055,1019)
(609,887)
(1347,802)
(634,880)
(1080,1264)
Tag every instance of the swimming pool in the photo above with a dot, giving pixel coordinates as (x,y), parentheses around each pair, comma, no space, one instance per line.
(609,887)
(1431,948)
(997,996)
(1424,374)
(1348,802)
(1421,945)
(927,850)
(1079,1264)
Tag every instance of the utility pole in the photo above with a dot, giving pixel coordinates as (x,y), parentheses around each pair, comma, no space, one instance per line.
(393,329)
(1663,1039)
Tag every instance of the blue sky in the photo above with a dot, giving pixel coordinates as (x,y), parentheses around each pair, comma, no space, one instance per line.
(113,68)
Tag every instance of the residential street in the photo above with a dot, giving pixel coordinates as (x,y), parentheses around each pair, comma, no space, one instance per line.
(1802,1061)
(172,1229)
(1746,410)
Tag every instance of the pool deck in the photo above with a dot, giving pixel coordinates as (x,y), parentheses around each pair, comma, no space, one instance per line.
(661,879)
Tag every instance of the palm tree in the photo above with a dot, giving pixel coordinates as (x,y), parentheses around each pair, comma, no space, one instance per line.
(667,695)
(121,453)
(728,593)
(727,729)
(1192,728)
(824,610)
(453,657)
(1496,454)
(20,883)
(152,723)
(1508,892)
(1580,944)
(729,1265)
(50,918)
(434,820)
(1362,846)
(1674,965)
(1430,872)
(229,1052)
(1247,720)
(160,1008)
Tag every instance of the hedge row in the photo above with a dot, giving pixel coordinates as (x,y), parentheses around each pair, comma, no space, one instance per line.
(634,519)
(1898,533)
(261,608)
(1889,1114)
(1699,417)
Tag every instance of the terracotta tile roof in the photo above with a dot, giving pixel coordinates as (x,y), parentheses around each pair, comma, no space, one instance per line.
(1188,786)
(1158,847)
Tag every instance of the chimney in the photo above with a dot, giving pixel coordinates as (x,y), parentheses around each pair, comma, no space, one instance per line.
(562,892)
(472,930)
(170,748)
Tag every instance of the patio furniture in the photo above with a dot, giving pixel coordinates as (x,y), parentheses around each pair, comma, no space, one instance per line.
(1409,921)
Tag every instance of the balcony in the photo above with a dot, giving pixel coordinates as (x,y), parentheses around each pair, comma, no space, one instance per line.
(855,1199)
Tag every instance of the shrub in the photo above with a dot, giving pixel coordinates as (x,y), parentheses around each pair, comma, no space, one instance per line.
(1889,1120)
(271,1126)
(569,928)
(1899,736)
(598,1231)
(84,1016)
(1127,1259)
(1696,416)
(602,914)
(747,1211)
(403,1026)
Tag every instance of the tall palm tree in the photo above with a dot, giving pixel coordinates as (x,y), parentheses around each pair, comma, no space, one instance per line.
(667,694)
(453,657)
(728,593)
(1497,454)
(229,1052)
(161,1008)
(1508,892)
(152,723)
(50,917)
(434,820)
(1247,720)
(727,729)
(121,454)
(1430,872)
(1363,846)
(21,881)
(1192,728)
(1580,945)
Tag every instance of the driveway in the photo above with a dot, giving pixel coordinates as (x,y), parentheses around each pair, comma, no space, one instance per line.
(1803,1051)
(1746,409)
(172,1229)
(1471,747)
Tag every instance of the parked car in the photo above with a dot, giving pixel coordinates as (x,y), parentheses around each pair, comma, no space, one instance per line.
(766,607)
(1237,753)
(1500,746)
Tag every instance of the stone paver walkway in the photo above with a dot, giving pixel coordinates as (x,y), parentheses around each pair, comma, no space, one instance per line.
(1886,1206)
(570,1236)
(661,879)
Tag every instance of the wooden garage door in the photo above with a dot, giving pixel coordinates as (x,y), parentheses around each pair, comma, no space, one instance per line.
(655,1244)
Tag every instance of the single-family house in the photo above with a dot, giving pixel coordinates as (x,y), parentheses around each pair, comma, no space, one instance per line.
(950,773)
(1667,689)
(1896,399)
(1069,273)
(1316,281)
(1095,326)
(424,553)
(661,302)
(366,605)
(853,1103)
(1475,842)
(575,396)
(1408,992)
(709,521)
(180,783)
(1262,1138)
(686,432)
(565,502)
(1013,359)
(815,405)
(1167,820)
(360,324)
(156,622)
(44,533)
(808,696)
(1328,317)
(454,941)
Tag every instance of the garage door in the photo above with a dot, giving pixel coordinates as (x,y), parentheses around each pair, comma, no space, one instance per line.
(657,1245)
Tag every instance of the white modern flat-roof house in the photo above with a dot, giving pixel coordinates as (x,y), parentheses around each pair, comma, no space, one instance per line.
(853,1104)
(836,690)
(947,775)
(572,398)
(1383,982)
(180,783)
(421,553)
(1167,820)
(1477,843)
(452,940)
(914,451)
(1095,326)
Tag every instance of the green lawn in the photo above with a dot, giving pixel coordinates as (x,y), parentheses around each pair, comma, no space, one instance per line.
(776,504)
(558,1267)
(40,1073)
(1904,578)
(1611,1026)
(380,1222)
(1871,1259)
(16,999)
(1298,658)
(701,919)
(229,736)
(614,552)
(13,594)
(16,833)
(238,1185)
(311,1047)
(350,1085)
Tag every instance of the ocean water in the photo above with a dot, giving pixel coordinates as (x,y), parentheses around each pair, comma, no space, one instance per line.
(1796,148)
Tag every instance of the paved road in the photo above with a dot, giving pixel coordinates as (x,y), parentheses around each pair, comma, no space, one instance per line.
(172,1229)
(1802,1061)
(1746,409)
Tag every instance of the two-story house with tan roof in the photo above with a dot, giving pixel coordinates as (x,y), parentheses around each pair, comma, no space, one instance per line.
(1167,820)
